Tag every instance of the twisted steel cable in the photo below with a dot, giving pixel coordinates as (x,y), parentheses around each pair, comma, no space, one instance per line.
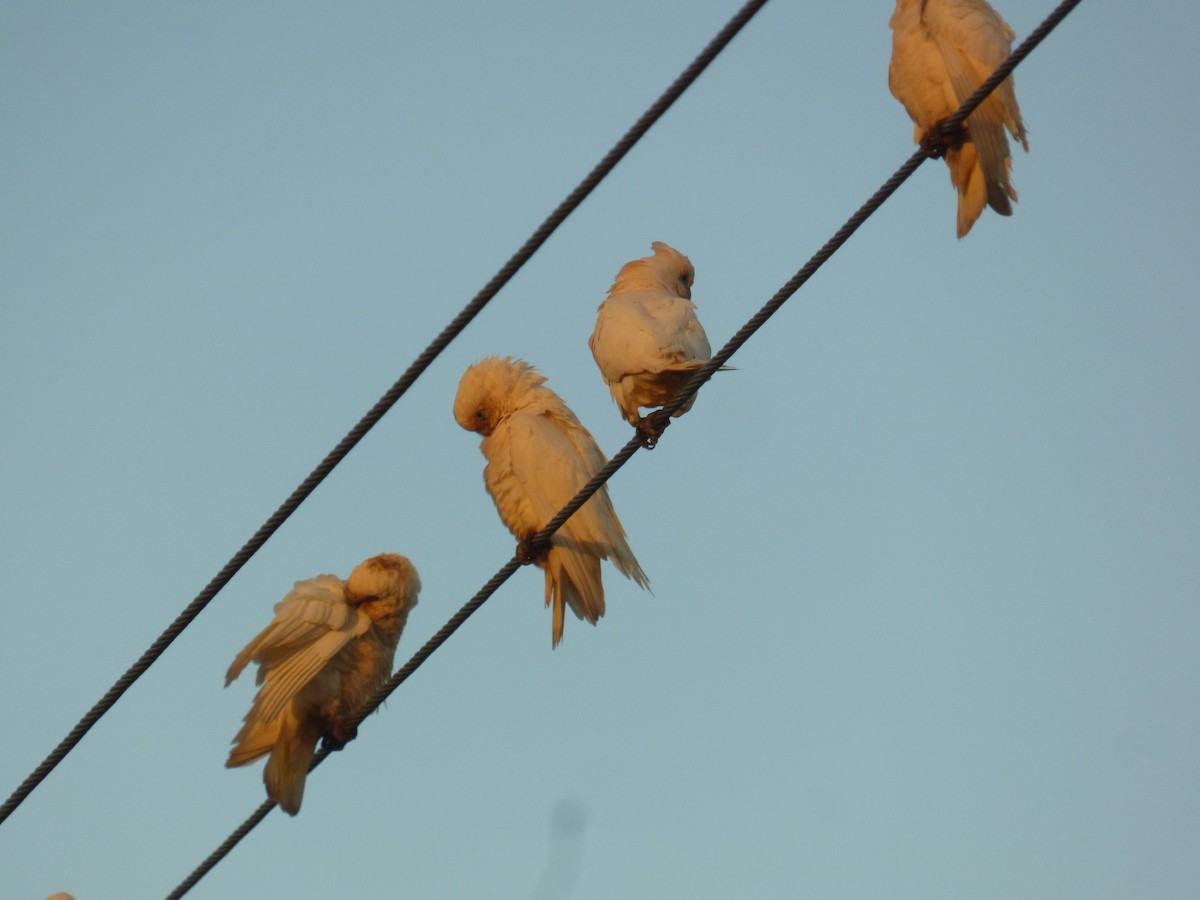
(542,538)
(368,421)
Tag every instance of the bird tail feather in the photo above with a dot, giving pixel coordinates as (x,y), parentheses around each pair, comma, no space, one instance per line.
(967,176)
(287,769)
(981,168)
(254,740)
(573,579)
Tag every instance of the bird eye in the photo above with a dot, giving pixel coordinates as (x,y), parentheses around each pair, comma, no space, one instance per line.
(480,415)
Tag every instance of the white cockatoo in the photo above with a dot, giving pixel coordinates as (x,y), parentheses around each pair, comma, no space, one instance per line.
(648,341)
(538,457)
(942,50)
(329,647)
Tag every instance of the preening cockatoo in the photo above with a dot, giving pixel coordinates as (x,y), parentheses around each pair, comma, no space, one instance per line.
(538,457)
(942,50)
(648,341)
(329,647)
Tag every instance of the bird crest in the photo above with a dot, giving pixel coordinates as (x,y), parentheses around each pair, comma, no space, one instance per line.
(667,269)
(494,387)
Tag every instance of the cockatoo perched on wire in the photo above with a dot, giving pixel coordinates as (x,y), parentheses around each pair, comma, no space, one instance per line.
(538,457)
(329,647)
(648,341)
(942,50)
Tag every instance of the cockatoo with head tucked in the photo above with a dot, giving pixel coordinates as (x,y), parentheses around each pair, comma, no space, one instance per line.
(648,341)
(942,50)
(329,647)
(538,457)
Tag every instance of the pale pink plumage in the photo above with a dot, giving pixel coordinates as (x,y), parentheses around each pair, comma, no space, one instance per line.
(538,457)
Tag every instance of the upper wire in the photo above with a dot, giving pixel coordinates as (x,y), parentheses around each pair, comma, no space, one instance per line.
(368,421)
(542,538)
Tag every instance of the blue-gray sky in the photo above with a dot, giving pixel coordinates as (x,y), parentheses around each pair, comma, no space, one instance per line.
(925,618)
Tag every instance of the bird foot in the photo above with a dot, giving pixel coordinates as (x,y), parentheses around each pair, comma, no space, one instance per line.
(339,736)
(650,428)
(527,553)
(936,143)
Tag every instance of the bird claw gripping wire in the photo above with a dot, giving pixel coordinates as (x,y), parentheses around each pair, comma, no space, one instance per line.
(341,734)
(650,428)
(528,552)
(936,143)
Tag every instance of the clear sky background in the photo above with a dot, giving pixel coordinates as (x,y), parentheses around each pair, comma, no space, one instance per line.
(925,620)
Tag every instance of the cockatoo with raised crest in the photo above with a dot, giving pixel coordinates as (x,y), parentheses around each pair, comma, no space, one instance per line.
(648,341)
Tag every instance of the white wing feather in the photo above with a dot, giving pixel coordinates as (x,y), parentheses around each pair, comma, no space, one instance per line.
(312,623)
(555,462)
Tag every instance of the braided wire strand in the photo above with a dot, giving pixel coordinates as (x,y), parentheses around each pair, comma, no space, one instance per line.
(372,703)
(864,212)
(372,417)
(1035,37)
(221,852)
(542,538)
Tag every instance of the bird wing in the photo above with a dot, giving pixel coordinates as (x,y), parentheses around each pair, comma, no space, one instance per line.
(312,623)
(555,456)
(647,332)
(508,492)
(550,465)
(974,40)
(977,35)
